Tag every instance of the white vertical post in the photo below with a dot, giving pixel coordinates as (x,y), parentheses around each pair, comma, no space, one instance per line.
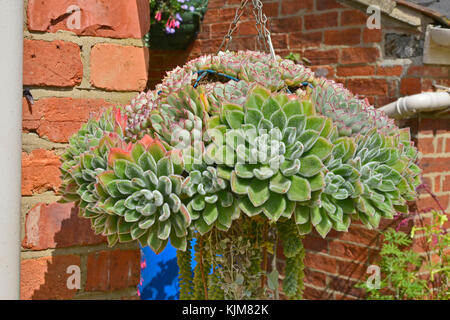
(11,38)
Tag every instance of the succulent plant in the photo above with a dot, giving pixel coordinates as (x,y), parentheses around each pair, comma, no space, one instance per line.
(142,193)
(272,151)
(212,202)
(239,132)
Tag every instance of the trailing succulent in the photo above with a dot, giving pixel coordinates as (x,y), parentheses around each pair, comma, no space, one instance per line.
(231,142)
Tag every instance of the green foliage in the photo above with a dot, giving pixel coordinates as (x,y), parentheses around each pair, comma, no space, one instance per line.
(400,265)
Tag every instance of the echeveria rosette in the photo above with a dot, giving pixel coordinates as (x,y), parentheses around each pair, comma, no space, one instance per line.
(278,162)
(211,203)
(388,173)
(183,109)
(84,145)
(142,193)
(351,115)
(138,116)
(334,206)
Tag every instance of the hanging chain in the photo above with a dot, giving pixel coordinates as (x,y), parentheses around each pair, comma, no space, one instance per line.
(233,25)
(264,39)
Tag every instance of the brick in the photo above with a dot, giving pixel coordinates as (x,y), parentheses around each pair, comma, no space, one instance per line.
(316,244)
(359,55)
(106,18)
(321,57)
(56,63)
(353,17)
(367,86)
(270,9)
(319,21)
(447,145)
(394,71)
(304,40)
(320,262)
(59,118)
(347,250)
(57,225)
(360,235)
(311,293)
(355,71)
(317,279)
(351,269)
(427,202)
(426,145)
(372,35)
(40,172)
(46,278)
(294,6)
(327,5)
(437,184)
(428,71)
(246,28)
(280,25)
(112,270)
(280,40)
(434,126)
(220,29)
(130,72)
(446,183)
(440,164)
(342,37)
(345,286)
(410,86)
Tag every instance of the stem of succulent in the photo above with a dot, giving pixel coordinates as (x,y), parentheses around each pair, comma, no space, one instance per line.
(264,253)
(185,273)
(274,265)
(205,287)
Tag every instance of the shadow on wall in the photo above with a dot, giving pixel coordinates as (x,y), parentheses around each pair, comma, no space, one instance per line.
(348,274)
(102,270)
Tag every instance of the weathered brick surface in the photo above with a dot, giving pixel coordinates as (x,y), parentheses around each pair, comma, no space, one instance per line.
(57,225)
(56,63)
(119,68)
(359,55)
(40,172)
(54,231)
(106,18)
(112,270)
(46,278)
(58,118)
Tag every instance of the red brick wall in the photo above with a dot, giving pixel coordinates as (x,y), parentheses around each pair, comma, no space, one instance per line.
(72,74)
(335,39)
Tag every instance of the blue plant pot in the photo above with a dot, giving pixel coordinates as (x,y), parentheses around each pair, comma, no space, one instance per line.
(159,274)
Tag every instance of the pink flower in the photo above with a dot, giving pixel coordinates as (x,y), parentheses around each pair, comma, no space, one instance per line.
(158,16)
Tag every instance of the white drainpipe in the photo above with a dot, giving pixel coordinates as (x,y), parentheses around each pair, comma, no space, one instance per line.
(407,107)
(11,36)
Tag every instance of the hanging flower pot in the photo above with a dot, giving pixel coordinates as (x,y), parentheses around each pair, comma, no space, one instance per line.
(238,151)
(174,24)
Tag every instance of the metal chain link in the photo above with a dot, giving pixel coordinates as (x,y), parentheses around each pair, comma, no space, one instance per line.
(264,39)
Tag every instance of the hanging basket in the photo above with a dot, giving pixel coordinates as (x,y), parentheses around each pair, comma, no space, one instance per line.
(158,39)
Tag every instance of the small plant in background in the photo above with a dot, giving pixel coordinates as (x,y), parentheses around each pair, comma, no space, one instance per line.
(174,23)
(403,269)
(169,12)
